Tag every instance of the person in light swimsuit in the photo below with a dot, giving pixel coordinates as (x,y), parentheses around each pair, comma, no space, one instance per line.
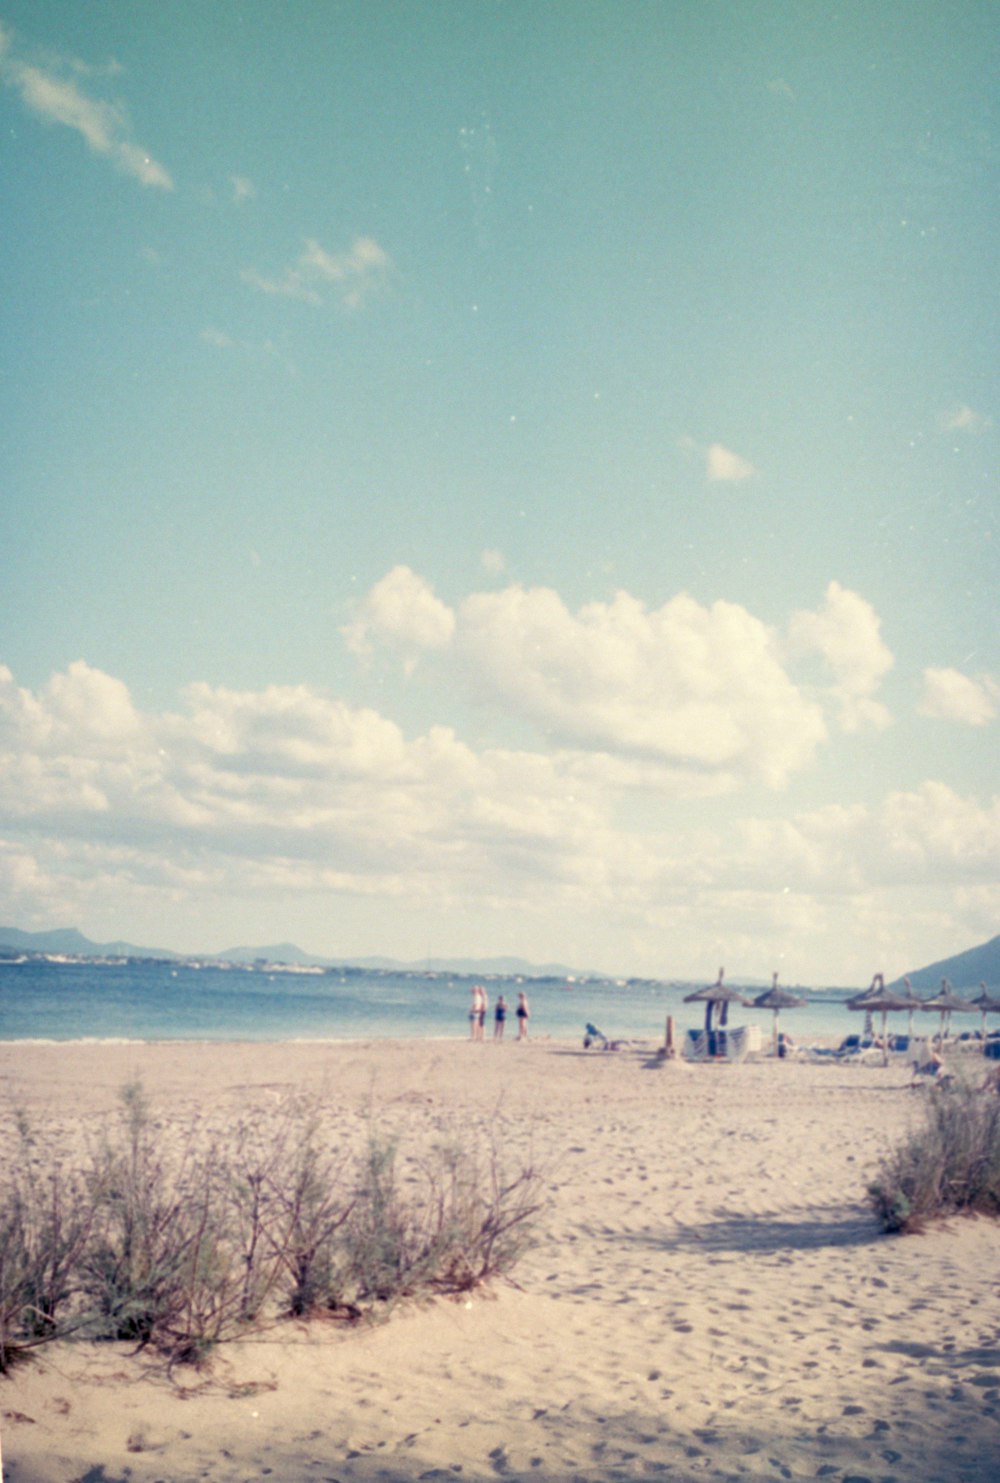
(477,1014)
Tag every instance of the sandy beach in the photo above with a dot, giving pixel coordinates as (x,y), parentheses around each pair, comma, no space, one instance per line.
(707,1297)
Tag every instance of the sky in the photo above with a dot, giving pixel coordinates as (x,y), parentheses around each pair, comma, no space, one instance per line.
(497,477)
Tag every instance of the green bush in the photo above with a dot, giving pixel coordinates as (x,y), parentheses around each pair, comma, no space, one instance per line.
(950,1164)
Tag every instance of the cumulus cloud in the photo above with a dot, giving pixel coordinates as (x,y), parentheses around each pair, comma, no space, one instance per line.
(722,466)
(402,612)
(846,632)
(687,686)
(949,695)
(284,792)
(350,277)
(104,126)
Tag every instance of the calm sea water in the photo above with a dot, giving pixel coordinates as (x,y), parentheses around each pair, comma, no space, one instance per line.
(162,1001)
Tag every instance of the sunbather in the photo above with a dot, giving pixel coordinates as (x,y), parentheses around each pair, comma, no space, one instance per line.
(933,1069)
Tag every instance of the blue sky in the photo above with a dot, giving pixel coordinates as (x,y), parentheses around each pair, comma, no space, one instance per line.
(502,477)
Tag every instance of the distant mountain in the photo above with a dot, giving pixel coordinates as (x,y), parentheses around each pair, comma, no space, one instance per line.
(67,940)
(277,952)
(287,952)
(964,971)
(72,943)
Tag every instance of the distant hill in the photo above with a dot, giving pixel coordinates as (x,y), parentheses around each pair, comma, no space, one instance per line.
(73,943)
(964,971)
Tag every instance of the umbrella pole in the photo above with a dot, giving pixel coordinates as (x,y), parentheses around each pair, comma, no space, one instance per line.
(885,1040)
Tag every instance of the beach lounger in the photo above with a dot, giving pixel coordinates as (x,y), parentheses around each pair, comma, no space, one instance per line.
(737,1044)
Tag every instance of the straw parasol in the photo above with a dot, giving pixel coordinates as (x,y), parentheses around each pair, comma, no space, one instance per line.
(947,1002)
(912,1000)
(879,998)
(777,999)
(715,994)
(986,1004)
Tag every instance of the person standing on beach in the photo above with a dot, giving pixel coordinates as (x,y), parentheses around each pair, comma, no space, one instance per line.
(523,1015)
(477,1015)
(499,1017)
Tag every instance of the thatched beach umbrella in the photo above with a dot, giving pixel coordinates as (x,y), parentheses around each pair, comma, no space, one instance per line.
(715,994)
(986,1004)
(777,999)
(948,1003)
(913,1001)
(879,998)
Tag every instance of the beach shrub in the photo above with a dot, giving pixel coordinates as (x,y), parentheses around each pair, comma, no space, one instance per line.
(461,1221)
(144,1206)
(45,1223)
(306,1191)
(949,1164)
(169,1239)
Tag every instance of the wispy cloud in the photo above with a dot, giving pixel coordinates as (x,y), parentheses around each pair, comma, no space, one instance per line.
(316,275)
(949,695)
(260,349)
(243,189)
(725,467)
(59,100)
(721,464)
(963,419)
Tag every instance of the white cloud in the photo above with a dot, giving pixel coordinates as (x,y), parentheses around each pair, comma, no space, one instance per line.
(964,419)
(104,126)
(684,685)
(218,338)
(949,695)
(268,797)
(243,189)
(846,632)
(724,466)
(401,611)
(352,276)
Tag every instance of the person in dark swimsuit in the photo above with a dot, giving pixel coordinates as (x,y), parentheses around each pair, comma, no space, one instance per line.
(499,1017)
(523,1015)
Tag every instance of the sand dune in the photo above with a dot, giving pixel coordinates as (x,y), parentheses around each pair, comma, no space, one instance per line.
(708,1296)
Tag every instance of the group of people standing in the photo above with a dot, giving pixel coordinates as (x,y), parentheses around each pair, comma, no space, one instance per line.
(480,1007)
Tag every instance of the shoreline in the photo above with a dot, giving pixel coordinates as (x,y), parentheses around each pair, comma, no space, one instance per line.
(707,1295)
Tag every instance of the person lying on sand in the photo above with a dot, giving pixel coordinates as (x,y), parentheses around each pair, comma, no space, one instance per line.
(932,1069)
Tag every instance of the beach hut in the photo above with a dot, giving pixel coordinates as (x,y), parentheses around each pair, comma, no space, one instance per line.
(947,1002)
(878,999)
(777,999)
(986,1004)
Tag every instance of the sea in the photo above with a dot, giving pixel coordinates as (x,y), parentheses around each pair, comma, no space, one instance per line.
(143,1000)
